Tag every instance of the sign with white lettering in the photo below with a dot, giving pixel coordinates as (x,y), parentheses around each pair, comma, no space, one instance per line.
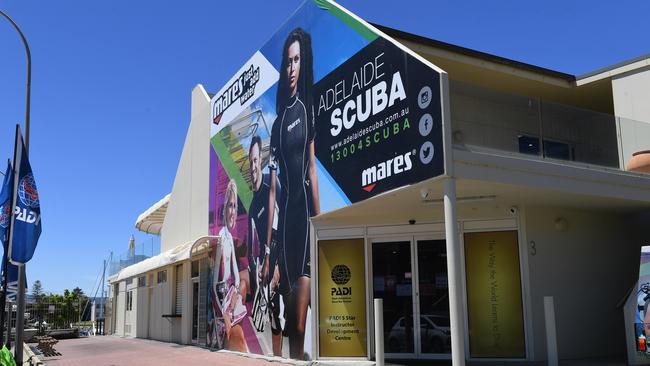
(327,113)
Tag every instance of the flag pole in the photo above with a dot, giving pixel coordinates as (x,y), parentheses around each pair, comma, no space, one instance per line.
(22,268)
(14,191)
(5,274)
(20,315)
(20,297)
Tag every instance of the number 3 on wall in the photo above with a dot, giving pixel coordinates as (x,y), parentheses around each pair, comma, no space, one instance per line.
(533,248)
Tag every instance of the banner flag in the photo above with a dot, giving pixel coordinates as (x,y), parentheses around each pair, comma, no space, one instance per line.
(12,287)
(27,222)
(5,218)
(5,201)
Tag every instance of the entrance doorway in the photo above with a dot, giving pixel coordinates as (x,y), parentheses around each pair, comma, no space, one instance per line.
(410,275)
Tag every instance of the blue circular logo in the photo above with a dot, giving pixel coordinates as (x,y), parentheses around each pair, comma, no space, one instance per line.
(27,191)
(5,217)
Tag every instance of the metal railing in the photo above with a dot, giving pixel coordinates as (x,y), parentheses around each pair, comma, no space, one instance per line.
(488,120)
(141,252)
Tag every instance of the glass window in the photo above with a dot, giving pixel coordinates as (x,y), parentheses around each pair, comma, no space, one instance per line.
(162,276)
(528,145)
(195,269)
(129,300)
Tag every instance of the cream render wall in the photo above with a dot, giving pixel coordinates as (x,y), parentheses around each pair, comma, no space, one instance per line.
(130,316)
(141,303)
(161,303)
(187,214)
(631,93)
(120,307)
(587,270)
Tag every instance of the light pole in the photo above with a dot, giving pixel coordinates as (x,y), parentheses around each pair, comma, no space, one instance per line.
(29,76)
(18,349)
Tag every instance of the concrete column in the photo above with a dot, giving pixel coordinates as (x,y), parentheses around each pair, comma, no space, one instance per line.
(454,275)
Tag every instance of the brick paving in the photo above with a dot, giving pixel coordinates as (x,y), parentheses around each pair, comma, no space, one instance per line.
(114,351)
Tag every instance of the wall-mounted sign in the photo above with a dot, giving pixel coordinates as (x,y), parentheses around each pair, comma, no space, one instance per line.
(494,302)
(326,113)
(342,298)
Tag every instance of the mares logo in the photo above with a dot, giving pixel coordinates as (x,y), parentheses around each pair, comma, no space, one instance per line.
(383,170)
(243,89)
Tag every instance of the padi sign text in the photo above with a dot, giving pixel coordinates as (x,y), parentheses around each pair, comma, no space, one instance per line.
(243,88)
(28,216)
(385,169)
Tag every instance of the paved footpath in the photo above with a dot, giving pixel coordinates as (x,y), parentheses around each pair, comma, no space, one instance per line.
(114,351)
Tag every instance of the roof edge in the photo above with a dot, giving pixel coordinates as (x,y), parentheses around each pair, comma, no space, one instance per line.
(616,69)
(474,53)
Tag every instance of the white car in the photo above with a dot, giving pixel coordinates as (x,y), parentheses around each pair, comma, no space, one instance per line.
(434,332)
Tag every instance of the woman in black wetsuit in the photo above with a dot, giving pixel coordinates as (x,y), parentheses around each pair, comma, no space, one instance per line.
(292,152)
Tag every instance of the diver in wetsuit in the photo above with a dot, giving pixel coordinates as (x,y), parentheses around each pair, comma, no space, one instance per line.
(266,253)
(292,153)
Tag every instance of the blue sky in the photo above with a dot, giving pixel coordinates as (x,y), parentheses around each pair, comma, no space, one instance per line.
(112,80)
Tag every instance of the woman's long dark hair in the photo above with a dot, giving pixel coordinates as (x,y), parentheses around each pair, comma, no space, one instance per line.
(306,77)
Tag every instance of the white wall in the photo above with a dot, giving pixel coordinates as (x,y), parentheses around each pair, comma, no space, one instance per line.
(161,304)
(631,94)
(141,303)
(130,316)
(186,320)
(120,308)
(176,323)
(187,214)
(151,302)
(588,269)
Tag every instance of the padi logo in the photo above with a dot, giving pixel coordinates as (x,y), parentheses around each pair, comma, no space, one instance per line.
(341,275)
(383,170)
(27,191)
(243,89)
(5,217)
(27,216)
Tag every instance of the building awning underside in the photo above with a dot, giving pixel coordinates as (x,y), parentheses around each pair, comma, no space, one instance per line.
(177,254)
(152,219)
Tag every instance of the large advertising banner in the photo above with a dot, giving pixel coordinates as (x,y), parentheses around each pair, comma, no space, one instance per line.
(642,323)
(325,114)
(494,302)
(342,298)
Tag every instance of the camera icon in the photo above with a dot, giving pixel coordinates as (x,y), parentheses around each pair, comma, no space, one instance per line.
(424,97)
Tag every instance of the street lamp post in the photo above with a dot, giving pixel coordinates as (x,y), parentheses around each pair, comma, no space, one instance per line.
(20,315)
(29,77)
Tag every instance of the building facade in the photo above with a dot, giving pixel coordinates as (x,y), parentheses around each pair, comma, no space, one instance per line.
(528,223)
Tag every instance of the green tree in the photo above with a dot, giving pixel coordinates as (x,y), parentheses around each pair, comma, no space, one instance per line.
(37,292)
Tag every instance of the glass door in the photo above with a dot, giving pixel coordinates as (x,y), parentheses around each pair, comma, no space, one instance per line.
(393,282)
(433,298)
(410,275)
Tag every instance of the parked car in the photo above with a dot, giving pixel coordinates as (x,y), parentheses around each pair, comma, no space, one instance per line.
(434,333)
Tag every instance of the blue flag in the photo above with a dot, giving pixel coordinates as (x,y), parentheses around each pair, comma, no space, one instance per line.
(27,222)
(5,202)
(12,281)
(5,218)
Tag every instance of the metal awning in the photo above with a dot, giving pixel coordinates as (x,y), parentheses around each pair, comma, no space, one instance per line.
(177,254)
(152,219)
